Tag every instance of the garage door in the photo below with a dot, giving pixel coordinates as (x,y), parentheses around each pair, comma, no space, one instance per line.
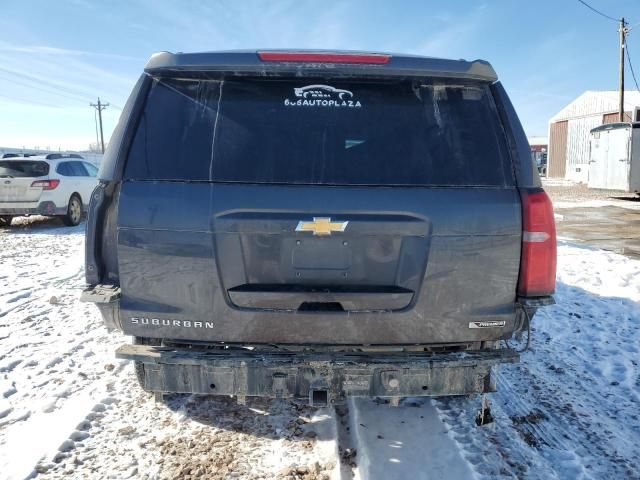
(558,149)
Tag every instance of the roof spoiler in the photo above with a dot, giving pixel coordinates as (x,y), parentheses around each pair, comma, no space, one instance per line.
(318,63)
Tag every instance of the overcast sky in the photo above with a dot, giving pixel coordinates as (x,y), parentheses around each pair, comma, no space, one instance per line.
(56,57)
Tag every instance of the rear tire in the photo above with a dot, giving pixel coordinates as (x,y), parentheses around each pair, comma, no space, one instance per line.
(5,220)
(74,212)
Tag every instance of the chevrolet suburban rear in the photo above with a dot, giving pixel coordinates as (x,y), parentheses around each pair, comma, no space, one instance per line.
(317,225)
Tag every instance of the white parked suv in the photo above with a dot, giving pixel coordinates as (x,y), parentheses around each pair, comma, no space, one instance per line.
(55,184)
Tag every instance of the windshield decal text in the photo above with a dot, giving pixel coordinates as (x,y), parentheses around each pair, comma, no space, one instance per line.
(322,96)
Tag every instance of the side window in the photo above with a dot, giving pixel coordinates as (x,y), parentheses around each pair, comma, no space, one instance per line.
(93,171)
(78,169)
(64,169)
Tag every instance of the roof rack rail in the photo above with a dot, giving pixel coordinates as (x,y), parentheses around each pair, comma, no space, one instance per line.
(55,156)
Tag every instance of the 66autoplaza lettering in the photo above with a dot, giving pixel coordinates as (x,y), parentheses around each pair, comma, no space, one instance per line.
(322,103)
(322,96)
(165,322)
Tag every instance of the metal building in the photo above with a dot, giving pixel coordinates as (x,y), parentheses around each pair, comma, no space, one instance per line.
(569,130)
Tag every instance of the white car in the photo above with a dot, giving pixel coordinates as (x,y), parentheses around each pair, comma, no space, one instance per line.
(54,184)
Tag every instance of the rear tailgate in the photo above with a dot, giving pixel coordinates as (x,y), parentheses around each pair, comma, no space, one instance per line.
(17,177)
(318,212)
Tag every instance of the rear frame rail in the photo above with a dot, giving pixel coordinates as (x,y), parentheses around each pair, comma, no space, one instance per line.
(319,378)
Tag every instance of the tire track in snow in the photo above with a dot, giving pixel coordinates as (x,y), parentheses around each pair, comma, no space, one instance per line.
(407,441)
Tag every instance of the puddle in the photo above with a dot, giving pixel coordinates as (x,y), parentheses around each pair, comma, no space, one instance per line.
(610,228)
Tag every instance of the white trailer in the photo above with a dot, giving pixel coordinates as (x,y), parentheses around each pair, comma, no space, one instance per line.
(614,157)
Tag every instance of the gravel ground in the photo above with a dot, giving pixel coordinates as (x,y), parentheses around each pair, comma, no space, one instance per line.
(565,191)
(130,436)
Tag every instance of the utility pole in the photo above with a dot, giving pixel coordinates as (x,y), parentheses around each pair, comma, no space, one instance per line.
(95,123)
(623,33)
(99,107)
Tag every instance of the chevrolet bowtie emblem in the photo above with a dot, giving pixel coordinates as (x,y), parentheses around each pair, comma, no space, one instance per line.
(321,226)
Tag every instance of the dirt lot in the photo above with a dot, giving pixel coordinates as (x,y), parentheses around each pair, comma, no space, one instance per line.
(606,219)
(564,191)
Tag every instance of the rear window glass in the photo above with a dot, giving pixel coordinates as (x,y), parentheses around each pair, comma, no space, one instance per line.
(23,168)
(175,132)
(78,170)
(92,170)
(64,169)
(332,133)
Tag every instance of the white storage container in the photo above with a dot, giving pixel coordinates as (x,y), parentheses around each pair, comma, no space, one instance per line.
(614,157)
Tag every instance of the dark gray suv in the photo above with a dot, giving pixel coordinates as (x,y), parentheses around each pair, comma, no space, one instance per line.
(316,225)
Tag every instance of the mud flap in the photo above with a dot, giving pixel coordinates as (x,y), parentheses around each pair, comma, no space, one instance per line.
(107,299)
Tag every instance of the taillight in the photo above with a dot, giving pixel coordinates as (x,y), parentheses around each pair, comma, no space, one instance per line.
(46,184)
(324,57)
(538,258)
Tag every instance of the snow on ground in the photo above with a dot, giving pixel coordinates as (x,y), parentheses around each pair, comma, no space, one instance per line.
(571,408)
(404,442)
(68,409)
(53,349)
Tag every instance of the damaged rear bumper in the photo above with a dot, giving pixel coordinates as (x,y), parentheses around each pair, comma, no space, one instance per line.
(320,378)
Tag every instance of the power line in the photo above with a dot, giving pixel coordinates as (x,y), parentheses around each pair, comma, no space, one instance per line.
(598,11)
(71,94)
(623,31)
(24,100)
(633,74)
(31,78)
(76,98)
